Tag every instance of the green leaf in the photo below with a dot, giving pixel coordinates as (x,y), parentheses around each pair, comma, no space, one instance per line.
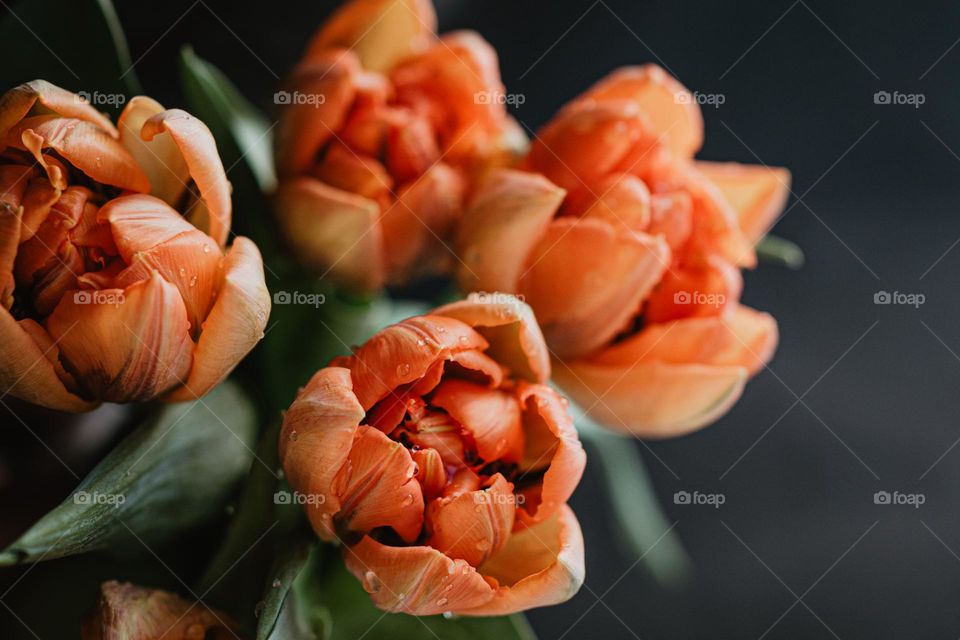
(76,44)
(285,613)
(646,532)
(171,474)
(780,251)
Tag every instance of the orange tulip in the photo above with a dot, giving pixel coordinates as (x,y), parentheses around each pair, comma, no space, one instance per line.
(629,251)
(107,291)
(385,128)
(439,458)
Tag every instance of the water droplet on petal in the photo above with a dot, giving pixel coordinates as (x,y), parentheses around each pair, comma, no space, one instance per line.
(408,500)
(403,369)
(193,281)
(442,601)
(421,342)
(371,582)
(294,436)
(206,248)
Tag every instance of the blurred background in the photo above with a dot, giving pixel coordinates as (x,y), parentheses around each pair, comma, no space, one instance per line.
(860,101)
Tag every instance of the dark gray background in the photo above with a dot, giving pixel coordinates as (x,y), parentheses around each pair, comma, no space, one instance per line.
(859,398)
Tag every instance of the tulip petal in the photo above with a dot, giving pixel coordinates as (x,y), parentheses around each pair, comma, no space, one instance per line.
(9,241)
(510,328)
(133,350)
(305,126)
(18,102)
(539,566)
(27,369)
(380,32)
(318,431)
(652,400)
(199,151)
(160,158)
(621,199)
(404,352)
(509,214)
(586,282)
(552,442)
(757,194)
(378,487)
(672,110)
(86,146)
(474,525)
(707,288)
(492,417)
(417,226)
(744,338)
(332,231)
(234,325)
(418,580)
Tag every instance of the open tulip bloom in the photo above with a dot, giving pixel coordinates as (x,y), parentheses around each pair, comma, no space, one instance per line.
(629,250)
(116,281)
(441,462)
(383,130)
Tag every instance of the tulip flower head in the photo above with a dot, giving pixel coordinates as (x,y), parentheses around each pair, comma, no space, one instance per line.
(116,281)
(629,252)
(383,129)
(443,464)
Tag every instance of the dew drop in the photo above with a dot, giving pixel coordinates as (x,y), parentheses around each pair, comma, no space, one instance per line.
(403,369)
(277,584)
(442,601)
(408,500)
(293,436)
(193,281)
(183,271)
(463,339)
(206,248)
(483,545)
(421,342)
(371,582)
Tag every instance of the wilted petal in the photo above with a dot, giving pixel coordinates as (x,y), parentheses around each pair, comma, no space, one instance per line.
(757,193)
(586,281)
(199,151)
(17,103)
(539,566)
(508,215)
(27,369)
(235,323)
(378,487)
(85,146)
(379,32)
(318,431)
(132,350)
(418,580)
(404,352)
(475,525)
(491,417)
(552,443)
(306,126)
(510,328)
(652,400)
(159,158)
(672,111)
